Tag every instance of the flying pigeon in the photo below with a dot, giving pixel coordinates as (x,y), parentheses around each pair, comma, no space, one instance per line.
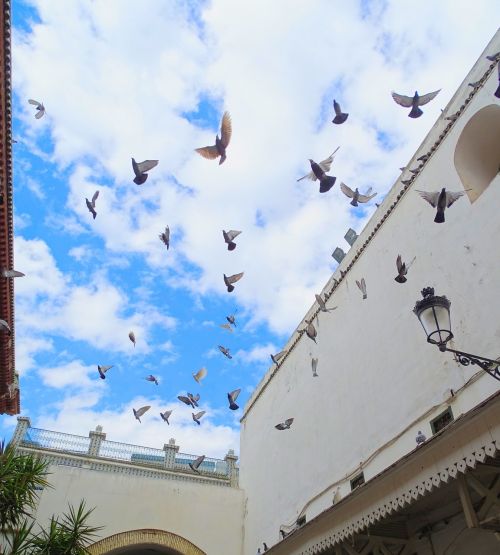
(325,165)
(186,401)
(194,399)
(225,351)
(232,399)
(102,370)
(197,416)
(219,149)
(276,358)
(340,116)
(165,416)
(5,326)
(494,58)
(420,438)
(229,237)
(415,102)
(441,200)
(231,319)
(227,327)
(355,195)
(311,330)
(196,464)
(314,366)
(91,204)
(402,269)
(11,273)
(151,378)
(40,108)
(326,182)
(165,237)
(284,425)
(139,412)
(198,376)
(131,336)
(141,169)
(362,287)
(229,280)
(322,305)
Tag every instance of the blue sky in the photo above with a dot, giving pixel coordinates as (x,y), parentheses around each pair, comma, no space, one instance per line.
(151,80)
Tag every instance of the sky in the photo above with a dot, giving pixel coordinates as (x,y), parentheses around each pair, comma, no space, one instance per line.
(151,80)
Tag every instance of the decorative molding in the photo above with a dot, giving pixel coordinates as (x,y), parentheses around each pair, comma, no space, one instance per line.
(145,537)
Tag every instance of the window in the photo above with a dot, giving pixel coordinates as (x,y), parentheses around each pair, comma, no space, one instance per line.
(477,154)
(359,480)
(441,421)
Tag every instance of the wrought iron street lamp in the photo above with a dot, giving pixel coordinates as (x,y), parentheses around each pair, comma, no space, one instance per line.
(433,312)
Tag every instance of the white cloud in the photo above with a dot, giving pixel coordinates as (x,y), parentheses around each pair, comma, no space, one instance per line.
(258,353)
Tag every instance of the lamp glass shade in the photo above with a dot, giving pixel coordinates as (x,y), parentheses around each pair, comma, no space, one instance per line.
(434,315)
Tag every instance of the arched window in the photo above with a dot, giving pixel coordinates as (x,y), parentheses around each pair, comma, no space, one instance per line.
(477,154)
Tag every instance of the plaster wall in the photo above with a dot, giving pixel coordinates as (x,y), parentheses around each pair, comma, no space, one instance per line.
(209,516)
(379,381)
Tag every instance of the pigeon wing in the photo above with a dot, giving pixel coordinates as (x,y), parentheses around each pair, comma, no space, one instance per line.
(225,129)
(280,355)
(227,327)
(280,426)
(427,98)
(348,192)
(209,152)
(234,394)
(12,274)
(146,165)
(39,113)
(202,372)
(235,277)
(326,164)
(288,422)
(94,198)
(35,103)
(399,263)
(430,197)
(232,234)
(451,197)
(402,100)
(198,461)
(198,415)
(142,410)
(184,399)
(366,198)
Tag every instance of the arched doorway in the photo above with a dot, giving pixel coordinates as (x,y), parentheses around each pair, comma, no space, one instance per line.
(145,542)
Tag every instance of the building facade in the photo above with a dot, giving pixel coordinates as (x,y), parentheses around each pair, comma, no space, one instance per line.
(348,476)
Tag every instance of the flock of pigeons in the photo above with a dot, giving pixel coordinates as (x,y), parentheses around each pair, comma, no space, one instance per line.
(440,200)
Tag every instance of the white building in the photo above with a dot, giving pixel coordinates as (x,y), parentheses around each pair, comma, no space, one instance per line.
(348,476)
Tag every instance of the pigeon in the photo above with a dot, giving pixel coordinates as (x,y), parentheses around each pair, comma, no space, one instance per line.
(140,169)
(322,305)
(11,273)
(340,116)
(276,358)
(151,378)
(406,181)
(219,149)
(453,117)
(441,200)
(165,416)
(258,551)
(326,182)
(102,370)
(414,172)
(229,237)
(131,336)
(91,204)
(265,547)
(325,165)
(311,330)
(362,287)
(4,325)
(194,399)
(494,58)
(402,269)
(229,280)
(424,158)
(232,399)
(475,84)
(355,195)
(284,425)
(198,376)
(227,327)
(225,351)
(497,92)
(314,366)
(139,412)
(196,464)
(40,108)
(186,401)
(197,416)
(420,438)
(415,102)
(231,319)
(165,237)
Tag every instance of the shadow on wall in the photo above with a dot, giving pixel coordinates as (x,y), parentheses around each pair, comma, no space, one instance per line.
(145,541)
(477,154)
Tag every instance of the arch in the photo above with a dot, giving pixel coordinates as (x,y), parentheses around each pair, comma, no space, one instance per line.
(477,153)
(145,537)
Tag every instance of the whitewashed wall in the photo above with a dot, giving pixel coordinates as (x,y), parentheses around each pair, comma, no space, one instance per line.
(209,516)
(379,381)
